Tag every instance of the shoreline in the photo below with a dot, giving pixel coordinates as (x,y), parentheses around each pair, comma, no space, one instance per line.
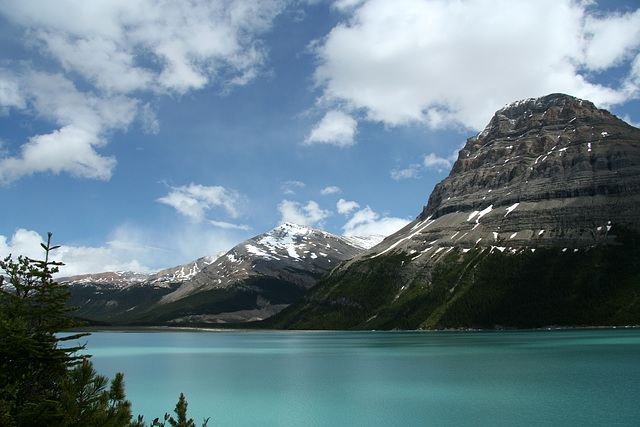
(164,328)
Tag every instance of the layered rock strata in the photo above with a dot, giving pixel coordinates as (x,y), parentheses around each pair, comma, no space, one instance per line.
(553,171)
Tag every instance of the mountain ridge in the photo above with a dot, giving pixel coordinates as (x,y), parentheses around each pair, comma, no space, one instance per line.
(290,256)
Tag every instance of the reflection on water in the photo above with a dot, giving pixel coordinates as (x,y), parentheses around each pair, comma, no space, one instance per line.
(575,377)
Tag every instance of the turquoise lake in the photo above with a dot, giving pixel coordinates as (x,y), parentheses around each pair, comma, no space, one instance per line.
(568,377)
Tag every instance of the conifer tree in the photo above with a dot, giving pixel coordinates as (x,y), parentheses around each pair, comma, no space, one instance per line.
(181,413)
(43,383)
(32,363)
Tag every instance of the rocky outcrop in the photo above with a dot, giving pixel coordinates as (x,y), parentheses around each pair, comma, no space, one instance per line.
(555,147)
(549,171)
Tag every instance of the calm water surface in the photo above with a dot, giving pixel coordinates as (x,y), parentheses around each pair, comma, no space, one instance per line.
(380,378)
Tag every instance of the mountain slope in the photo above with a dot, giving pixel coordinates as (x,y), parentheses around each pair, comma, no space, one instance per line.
(120,296)
(260,276)
(554,172)
(253,280)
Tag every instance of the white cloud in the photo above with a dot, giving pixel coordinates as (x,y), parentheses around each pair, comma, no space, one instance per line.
(413,171)
(69,149)
(310,214)
(429,161)
(23,242)
(126,46)
(77,259)
(366,222)
(344,207)
(150,122)
(10,95)
(330,190)
(611,40)
(445,63)
(84,120)
(116,51)
(195,200)
(289,187)
(432,161)
(346,5)
(129,248)
(336,128)
(628,119)
(228,225)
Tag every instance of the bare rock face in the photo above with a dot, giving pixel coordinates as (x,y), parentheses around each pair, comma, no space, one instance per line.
(549,171)
(555,147)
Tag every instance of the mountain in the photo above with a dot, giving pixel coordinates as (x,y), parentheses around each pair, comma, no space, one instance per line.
(260,276)
(253,280)
(120,296)
(538,215)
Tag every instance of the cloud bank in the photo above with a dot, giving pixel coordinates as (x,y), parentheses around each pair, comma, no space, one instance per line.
(195,201)
(119,52)
(453,63)
(361,222)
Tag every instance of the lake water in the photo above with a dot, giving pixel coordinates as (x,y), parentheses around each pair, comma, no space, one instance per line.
(576,377)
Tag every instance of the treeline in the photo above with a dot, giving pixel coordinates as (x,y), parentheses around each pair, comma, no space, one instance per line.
(598,286)
(44,381)
(479,289)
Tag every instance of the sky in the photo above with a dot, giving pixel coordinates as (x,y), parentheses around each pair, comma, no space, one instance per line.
(146,134)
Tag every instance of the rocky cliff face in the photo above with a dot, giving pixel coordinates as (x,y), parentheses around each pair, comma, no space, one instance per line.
(549,171)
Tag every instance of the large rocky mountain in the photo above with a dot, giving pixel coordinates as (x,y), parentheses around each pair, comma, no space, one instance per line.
(253,280)
(554,173)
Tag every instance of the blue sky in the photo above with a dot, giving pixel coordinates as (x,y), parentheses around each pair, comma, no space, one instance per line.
(147,134)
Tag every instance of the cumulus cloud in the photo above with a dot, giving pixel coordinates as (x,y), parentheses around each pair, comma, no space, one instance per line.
(443,64)
(84,120)
(429,162)
(310,214)
(127,46)
(194,201)
(611,40)
(336,128)
(346,5)
(127,249)
(116,52)
(69,149)
(366,222)
(345,208)
(289,187)
(10,95)
(330,190)
(77,259)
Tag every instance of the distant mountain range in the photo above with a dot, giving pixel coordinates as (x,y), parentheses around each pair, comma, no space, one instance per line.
(537,224)
(253,280)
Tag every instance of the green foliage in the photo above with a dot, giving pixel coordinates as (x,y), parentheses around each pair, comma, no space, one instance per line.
(32,364)
(549,286)
(345,300)
(535,287)
(181,413)
(86,401)
(41,382)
